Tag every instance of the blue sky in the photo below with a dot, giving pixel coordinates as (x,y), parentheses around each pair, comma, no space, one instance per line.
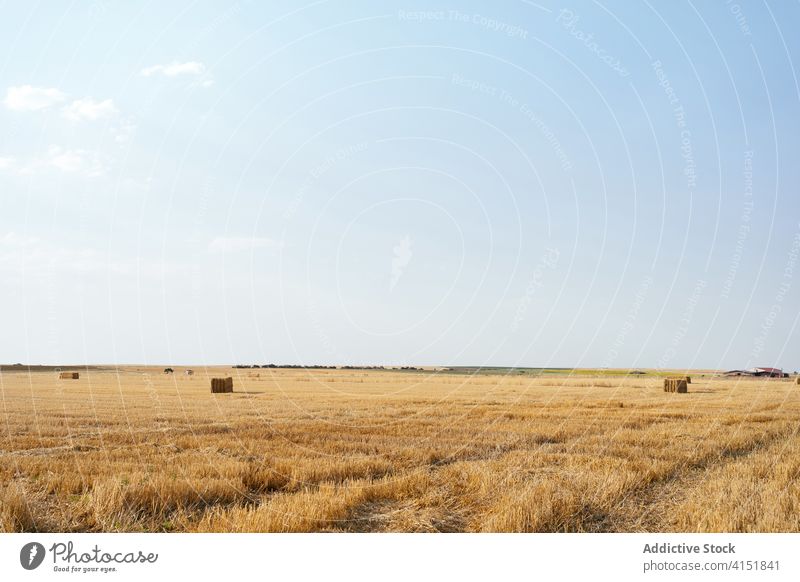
(540,184)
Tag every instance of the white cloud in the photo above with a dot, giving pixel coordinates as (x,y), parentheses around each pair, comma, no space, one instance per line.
(89,109)
(194,69)
(234,244)
(76,161)
(66,160)
(81,162)
(20,253)
(27,98)
(203,83)
(124,131)
(12,239)
(175,68)
(26,252)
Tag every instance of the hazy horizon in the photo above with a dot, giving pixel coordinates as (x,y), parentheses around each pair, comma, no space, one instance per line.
(321,365)
(523,185)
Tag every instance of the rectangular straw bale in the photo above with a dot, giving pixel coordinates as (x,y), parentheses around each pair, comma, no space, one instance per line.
(676,385)
(221,385)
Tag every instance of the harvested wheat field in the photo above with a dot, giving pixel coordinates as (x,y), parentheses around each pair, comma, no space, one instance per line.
(349,450)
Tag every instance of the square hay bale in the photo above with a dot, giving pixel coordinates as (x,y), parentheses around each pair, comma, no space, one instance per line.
(676,385)
(797,380)
(688,379)
(221,385)
(69,376)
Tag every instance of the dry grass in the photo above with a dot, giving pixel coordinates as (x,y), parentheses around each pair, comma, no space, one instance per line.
(349,450)
(15,515)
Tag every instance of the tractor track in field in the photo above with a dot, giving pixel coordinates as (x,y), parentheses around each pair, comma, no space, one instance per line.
(649,509)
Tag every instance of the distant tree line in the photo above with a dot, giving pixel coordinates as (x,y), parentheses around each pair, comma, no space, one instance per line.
(320,367)
(315,367)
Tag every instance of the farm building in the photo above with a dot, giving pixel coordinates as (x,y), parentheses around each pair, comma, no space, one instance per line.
(739,373)
(769,372)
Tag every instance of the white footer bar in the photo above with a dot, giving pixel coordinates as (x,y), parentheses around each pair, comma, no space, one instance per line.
(355,557)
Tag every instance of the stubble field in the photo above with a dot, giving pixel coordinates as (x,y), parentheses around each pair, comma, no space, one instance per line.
(350,450)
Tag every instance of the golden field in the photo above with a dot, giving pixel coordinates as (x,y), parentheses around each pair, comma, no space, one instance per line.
(349,450)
